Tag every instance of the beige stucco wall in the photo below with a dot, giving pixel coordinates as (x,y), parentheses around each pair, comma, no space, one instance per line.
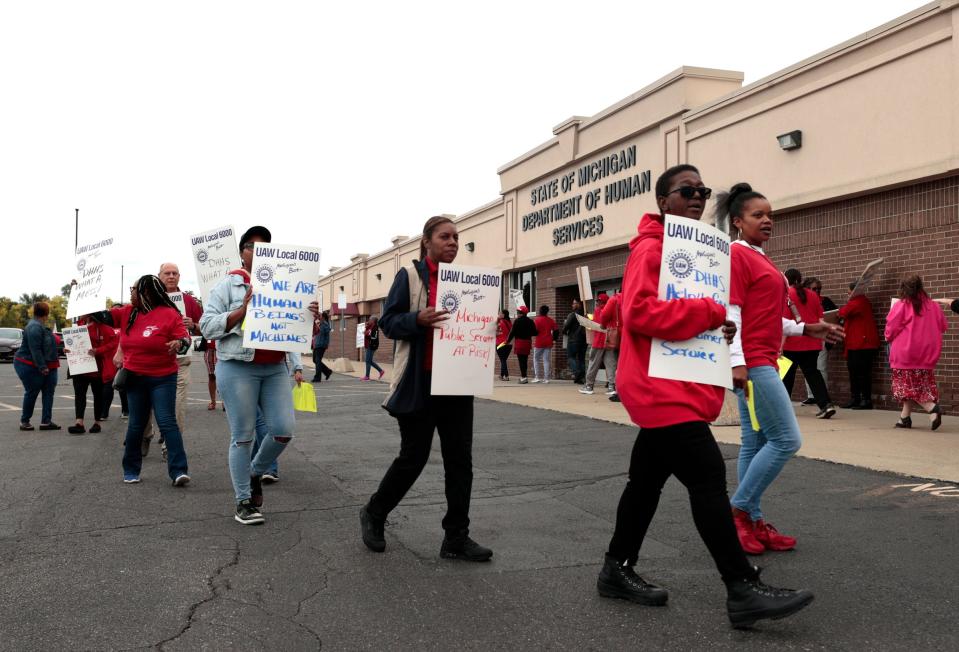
(875,111)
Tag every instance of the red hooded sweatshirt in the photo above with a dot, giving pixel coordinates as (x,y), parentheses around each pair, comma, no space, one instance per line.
(658,402)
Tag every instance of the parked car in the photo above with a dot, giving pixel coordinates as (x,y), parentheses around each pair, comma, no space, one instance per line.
(10,341)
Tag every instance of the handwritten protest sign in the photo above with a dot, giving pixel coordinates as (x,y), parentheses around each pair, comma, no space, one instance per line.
(463,345)
(90,292)
(589,324)
(516,301)
(76,342)
(214,254)
(695,264)
(360,335)
(284,282)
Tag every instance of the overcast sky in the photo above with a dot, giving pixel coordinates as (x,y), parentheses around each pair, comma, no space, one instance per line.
(336,125)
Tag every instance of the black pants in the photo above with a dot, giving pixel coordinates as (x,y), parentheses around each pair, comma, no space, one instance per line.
(859,364)
(107,399)
(503,353)
(452,417)
(688,451)
(523,364)
(318,361)
(806,360)
(124,404)
(80,385)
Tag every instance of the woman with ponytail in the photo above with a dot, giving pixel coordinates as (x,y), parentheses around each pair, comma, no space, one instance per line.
(914,329)
(805,307)
(674,417)
(409,319)
(151,335)
(758,296)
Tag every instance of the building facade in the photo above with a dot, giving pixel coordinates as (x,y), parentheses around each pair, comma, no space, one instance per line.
(876,175)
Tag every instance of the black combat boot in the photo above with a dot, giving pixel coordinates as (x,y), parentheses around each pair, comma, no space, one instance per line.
(749,600)
(371,529)
(458,545)
(617,580)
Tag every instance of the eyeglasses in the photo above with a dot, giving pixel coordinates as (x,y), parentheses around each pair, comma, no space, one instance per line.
(249,246)
(687,192)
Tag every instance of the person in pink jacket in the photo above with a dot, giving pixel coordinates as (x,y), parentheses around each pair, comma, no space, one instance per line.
(914,329)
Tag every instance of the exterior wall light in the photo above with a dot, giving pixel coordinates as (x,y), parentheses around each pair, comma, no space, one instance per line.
(792,140)
(379,277)
(470,247)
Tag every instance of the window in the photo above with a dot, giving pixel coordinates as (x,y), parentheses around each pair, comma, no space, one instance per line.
(525,281)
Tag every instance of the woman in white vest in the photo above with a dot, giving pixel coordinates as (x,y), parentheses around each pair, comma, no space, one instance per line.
(409,317)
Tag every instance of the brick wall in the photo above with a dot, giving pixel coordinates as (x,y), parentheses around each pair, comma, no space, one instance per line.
(915,229)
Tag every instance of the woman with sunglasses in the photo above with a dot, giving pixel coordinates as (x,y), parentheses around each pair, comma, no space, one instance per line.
(757,297)
(250,381)
(674,416)
(409,318)
(151,335)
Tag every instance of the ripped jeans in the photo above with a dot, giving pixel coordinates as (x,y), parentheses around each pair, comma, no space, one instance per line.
(247,388)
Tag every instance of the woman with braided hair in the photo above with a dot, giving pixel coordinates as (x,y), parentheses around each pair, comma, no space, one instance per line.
(151,335)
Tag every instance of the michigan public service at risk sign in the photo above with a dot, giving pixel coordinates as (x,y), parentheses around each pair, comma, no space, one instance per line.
(463,345)
(695,265)
(214,253)
(284,280)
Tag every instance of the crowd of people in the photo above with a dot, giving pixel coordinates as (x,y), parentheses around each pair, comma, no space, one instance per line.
(141,350)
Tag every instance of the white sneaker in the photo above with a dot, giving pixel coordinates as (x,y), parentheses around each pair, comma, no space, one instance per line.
(586,389)
(536,380)
(610,392)
(546,382)
(523,381)
(181,480)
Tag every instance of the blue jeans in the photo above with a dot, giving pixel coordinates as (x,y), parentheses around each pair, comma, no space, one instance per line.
(765,452)
(541,358)
(370,363)
(247,388)
(261,432)
(156,393)
(35,383)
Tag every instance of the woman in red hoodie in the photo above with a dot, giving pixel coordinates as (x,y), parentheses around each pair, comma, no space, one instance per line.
(151,335)
(757,299)
(862,343)
(674,416)
(805,307)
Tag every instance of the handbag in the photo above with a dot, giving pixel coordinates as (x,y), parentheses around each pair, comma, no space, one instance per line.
(121,379)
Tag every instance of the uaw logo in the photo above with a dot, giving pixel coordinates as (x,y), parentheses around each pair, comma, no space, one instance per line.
(681,264)
(69,341)
(81,264)
(264,273)
(449,302)
(202,256)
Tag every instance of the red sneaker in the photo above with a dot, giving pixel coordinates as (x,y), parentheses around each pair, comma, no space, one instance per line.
(771,539)
(747,537)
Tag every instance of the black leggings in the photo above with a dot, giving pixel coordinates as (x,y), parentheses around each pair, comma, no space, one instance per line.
(80,385)
(523,364)
(859,363)
(806,360)
(503,353)
(452,417)
(688,451)
(107,399)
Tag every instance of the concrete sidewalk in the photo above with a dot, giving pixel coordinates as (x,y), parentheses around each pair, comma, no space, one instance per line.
(861,438)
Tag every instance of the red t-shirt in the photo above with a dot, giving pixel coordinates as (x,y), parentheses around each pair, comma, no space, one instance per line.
(760,290)
(544,332)
(260,356)
(503,327)
(434,270)
(811,313)
(144,347)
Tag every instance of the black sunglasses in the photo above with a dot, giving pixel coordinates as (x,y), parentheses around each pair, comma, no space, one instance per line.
(249,246)
(687,192)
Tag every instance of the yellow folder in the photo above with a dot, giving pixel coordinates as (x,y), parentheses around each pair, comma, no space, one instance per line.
(784,365)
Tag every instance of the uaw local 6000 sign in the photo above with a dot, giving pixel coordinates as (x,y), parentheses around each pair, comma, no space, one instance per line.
(695,265)
(214,254)
(90,292)
(284,283)
(463,344)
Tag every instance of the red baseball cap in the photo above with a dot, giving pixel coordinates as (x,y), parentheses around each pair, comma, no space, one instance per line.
(522,309)
(602,296)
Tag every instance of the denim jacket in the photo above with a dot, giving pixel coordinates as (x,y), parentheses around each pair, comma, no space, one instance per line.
(225,297)
(39,346)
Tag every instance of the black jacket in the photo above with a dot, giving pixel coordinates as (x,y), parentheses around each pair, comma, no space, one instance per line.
(399,323)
